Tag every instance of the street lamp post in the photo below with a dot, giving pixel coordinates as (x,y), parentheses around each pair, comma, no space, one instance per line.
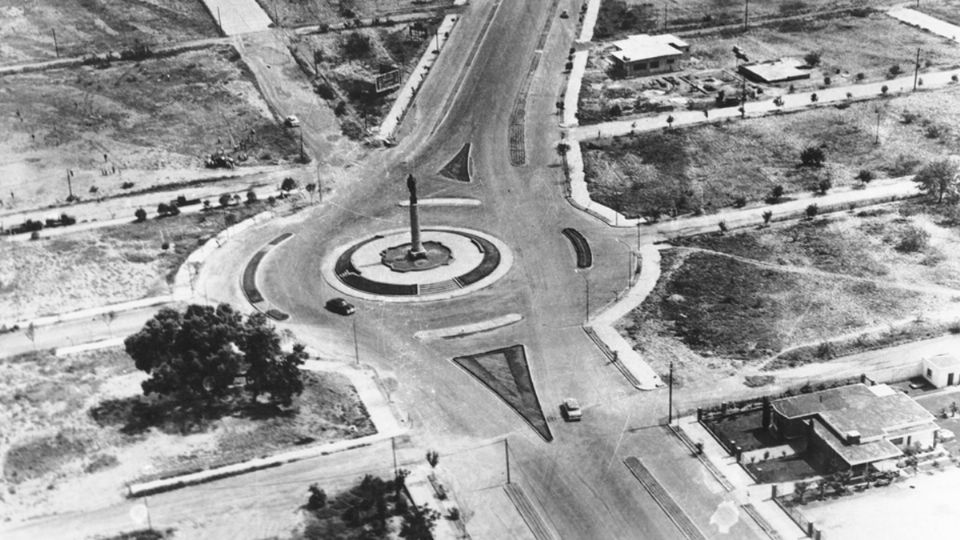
(356,344)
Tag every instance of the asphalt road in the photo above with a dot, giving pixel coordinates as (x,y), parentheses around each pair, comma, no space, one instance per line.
(578,480)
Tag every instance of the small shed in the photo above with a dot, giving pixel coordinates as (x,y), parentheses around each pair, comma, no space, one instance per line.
(942,370)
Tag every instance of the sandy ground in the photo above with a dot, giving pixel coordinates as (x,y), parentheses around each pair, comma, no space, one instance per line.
(27,27)
(924,506)
(141,124)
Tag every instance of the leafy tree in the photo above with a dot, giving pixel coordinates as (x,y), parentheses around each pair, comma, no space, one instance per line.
(224,200)
(140,215)
(433,458)
(812,58)
(251,196)
(670,121)
(824,185)
(723,227)
(865,176)
(356,45)
(418,522)
(198,354)
(884,89)
(777,192)
(288,185)
(811,211)
(318,498)
(812,156)
(939,180)
(767,216)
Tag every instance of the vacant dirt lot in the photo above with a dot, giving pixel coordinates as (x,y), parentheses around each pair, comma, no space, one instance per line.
(310,12)
(711,166)
(621,17)
(139,122)
(870,45)
(85,26)
(800,284)
(104,266)
(69,442)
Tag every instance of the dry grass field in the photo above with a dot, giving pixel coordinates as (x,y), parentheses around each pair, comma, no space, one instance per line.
(746,296)
(104,266)
(711,166)
(621,17)
(138,122)
(870,45)
(945,10)
(70,438)
(84,26)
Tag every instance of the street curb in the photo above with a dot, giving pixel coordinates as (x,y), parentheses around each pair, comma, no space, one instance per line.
(48,320)
(469,329)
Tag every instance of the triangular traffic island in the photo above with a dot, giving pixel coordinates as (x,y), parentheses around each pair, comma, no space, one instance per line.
(505,371)
(458,168)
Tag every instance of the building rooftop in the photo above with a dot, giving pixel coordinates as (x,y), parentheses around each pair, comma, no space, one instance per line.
(856,454)
(944,361)
(780,70)
(642,47)
(872,411)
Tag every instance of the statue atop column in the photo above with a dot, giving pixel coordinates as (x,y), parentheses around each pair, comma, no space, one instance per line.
(416,248)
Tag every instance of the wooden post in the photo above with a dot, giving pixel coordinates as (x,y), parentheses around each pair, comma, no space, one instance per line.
(916,70)
(670,397)
(56,46)
(506,454)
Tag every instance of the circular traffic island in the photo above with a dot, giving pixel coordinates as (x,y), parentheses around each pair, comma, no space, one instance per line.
(452,262)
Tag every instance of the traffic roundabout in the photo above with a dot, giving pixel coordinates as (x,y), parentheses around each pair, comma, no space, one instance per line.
(449,262)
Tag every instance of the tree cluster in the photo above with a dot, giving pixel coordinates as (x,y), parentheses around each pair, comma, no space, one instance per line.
(940,180)
(213,354)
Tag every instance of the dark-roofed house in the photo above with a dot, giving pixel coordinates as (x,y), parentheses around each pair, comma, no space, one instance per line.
(853,426)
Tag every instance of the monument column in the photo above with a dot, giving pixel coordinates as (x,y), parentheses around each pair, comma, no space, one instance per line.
(416,248)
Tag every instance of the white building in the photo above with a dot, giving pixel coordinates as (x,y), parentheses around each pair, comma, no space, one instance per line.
(643,54)
(942,370)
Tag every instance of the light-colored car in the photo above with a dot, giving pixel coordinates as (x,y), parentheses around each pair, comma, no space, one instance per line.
(571,411)
(291,121)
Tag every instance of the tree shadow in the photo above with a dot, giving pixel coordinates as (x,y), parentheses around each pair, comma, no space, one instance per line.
(135,415)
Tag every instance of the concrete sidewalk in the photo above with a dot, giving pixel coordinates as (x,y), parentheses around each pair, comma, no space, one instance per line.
(925,22)
(238,16)
(746,491)
(604,324)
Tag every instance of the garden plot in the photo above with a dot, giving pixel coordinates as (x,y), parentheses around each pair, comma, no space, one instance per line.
(327,12)
(77,432)
(83,27)
(131,125)
(712,166)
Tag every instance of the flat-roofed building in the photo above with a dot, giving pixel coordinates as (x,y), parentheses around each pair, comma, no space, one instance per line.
(942,370)
(644,54)
(853,426)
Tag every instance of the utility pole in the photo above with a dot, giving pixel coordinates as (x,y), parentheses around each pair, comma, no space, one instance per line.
(638,234)
(393,447)
(56,46)
(586,285)
(506,455)
(146,504)
(219,20)
(69,186)
(301,143)
(319,186)
(746,14)
(916,70)
(356,345)
(664,15)
(877,138)
(670,397)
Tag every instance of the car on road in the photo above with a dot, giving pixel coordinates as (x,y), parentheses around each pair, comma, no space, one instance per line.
(291,121)
(570,409)
(341,306)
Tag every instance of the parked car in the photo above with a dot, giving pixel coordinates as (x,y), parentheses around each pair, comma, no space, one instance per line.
(341,306)
(570,409)
(291,121)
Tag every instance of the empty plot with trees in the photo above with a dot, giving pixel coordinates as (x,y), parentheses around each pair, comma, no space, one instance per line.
(719,165)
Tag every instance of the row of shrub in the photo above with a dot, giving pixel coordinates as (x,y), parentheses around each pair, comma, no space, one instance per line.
(35,225)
